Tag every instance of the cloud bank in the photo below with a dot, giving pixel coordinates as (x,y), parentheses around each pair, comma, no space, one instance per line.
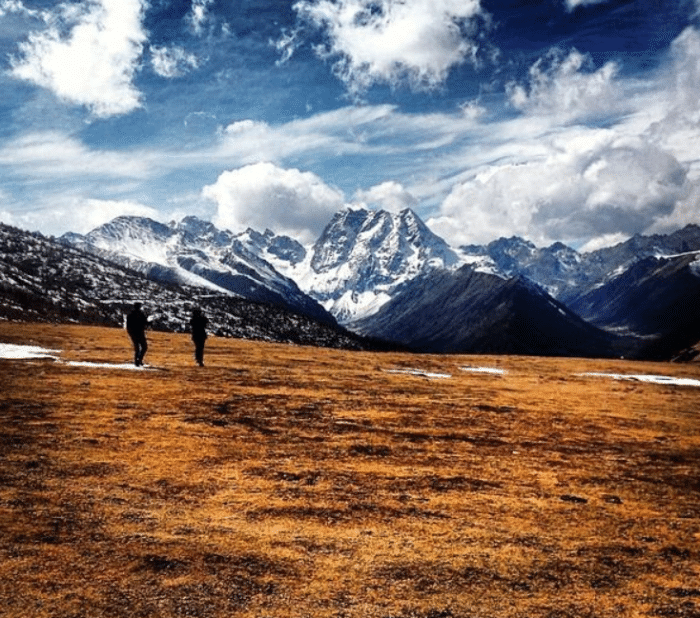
(578,191)
(559,176)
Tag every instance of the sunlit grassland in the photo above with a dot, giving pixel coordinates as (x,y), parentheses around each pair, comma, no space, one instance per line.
(294,481)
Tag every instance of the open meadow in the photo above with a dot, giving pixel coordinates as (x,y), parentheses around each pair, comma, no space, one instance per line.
(288,482)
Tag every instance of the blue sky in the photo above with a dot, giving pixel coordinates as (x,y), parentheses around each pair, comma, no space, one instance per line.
(556,120)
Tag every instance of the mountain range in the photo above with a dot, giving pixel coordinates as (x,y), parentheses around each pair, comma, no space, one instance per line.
(387,276)
(44,280)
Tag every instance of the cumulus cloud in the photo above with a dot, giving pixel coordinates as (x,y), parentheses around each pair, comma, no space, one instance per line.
(579,190)
(263,195)
(170,62)
(89,55)
(390,196)
(566,88)
(392,41)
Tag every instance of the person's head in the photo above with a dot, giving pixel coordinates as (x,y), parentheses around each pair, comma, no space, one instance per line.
(137,305)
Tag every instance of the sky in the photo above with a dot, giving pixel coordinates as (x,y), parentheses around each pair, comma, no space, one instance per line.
(556,120)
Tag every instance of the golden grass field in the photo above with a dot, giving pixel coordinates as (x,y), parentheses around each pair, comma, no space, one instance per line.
(282,481)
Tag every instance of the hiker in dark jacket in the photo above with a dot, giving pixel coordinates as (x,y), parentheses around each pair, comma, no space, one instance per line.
(136,323)
(198,327)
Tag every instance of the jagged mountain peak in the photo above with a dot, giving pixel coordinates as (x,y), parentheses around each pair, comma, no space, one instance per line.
(131,226)
(201,230)
(363,255)
(354,231)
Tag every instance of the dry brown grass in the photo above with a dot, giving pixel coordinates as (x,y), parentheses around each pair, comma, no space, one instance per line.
(285,482)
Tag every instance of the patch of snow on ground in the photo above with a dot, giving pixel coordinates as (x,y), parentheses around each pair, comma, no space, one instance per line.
(26,352)
(130,366)
(651,379)
(19,352)
(420,372)
(493,370)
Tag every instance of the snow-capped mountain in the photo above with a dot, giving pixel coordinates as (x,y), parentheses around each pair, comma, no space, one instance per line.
(557,268)
(364,257)
(567,274)
(45,280)
(195,252)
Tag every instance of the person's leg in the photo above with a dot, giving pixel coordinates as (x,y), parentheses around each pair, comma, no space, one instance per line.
(199,351)
(143,348)
(135,343)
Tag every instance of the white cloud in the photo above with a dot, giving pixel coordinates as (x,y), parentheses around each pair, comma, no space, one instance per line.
(566,89)
(572,4)
(583,188)
(95,62)
(388,195)
(199,15)
(391,41)
(172,62)
(263,195)
(336,133)
(58,156)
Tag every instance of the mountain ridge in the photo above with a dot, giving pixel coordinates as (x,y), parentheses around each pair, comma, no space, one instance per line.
(195,252)
(465,311)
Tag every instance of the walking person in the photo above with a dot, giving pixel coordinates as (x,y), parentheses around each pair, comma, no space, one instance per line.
(198,327)
(136,323)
